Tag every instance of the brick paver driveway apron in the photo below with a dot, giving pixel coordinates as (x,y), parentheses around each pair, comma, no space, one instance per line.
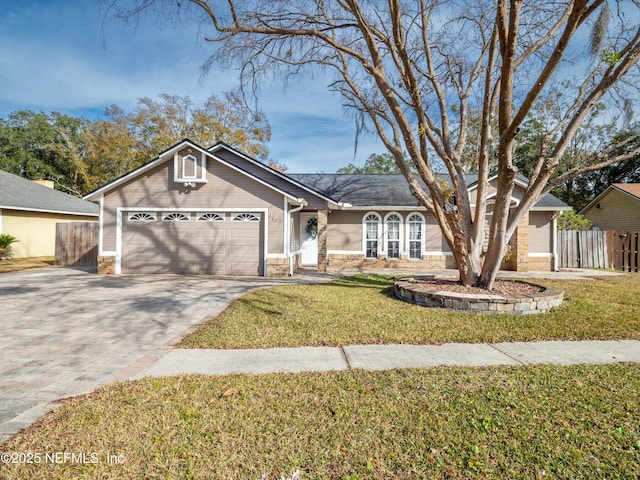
(65,332)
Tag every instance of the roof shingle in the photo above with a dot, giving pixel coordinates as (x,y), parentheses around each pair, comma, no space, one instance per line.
(630,188)
(383,190)
(18,193)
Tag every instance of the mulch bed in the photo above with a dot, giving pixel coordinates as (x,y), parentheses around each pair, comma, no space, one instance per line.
(506,288)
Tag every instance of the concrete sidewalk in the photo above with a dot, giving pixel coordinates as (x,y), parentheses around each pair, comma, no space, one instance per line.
(67,332)
(387,357)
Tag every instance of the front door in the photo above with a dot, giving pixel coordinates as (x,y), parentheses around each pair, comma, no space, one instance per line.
(309,237)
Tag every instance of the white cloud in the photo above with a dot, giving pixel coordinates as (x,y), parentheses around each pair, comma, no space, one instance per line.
(63,58)
(57,60)
(310,131)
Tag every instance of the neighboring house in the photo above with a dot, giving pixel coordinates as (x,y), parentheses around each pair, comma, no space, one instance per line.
(217,211)
(617,208)
(29,211)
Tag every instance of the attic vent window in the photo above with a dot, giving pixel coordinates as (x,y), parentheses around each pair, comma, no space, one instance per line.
(246,217)
(176,217)
(189,168)
(210,217)
(142,217)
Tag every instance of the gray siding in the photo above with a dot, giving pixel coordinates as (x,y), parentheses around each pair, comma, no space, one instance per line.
(344,230)
(540,232)
(225,188)
(518,191)
(295,232)
(315,203)
(434,240)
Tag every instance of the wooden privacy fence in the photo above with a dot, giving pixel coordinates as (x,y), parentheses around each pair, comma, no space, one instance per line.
(77,244)
(582,249)
(623,250)
(599,249)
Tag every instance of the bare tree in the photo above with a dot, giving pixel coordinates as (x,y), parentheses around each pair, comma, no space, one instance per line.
(414,71)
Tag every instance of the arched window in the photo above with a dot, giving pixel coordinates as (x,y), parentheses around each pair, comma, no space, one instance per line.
(393,222)
(176,217)
(415,223)
(210,217)
(246,217)
(371,235)
(142,217)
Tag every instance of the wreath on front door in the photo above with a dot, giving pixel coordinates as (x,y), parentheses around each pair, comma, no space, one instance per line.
(312,228)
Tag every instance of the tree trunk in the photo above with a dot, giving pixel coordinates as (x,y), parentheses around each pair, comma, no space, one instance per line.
(467,257)
(470,269)
(498,232)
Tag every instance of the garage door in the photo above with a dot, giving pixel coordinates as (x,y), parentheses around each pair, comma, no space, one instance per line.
(208,243)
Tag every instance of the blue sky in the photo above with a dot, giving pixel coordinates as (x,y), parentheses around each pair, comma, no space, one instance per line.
(59,55)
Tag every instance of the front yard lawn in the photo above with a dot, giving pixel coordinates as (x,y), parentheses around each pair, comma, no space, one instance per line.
(17,264)
(571,422)
(361,310)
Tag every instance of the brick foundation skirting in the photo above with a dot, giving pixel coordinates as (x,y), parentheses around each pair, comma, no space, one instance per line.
(279,267)
(337,262)
(106,265)
(543,264)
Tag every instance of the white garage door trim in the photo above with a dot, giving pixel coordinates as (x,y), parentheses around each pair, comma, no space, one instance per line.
(124,210)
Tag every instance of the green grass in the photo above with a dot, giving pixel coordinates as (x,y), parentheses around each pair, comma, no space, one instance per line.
(573,422)
(17,264)
(361,310)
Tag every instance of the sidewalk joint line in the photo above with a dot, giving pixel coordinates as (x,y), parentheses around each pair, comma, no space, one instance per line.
(346,359)
(492,345)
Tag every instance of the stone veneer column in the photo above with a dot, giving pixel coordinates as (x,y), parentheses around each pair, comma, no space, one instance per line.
(521,245)
(106,265)
(322,240)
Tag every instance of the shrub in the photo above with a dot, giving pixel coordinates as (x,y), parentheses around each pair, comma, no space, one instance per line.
(6,240)
(571,220)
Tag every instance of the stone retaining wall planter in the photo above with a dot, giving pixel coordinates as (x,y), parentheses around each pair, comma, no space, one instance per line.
(431,296)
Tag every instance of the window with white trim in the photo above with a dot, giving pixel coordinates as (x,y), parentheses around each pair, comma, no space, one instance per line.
(210,217)
(142,217)
(393,236)
(176,217)
(189,167)
(245,217)
(415,223)
(372,228)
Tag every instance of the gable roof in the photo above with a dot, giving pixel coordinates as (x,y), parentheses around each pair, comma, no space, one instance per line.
(378,190)
(339,190)
(95,194)
(288,179)
(288,188)
(630,189)
(17,193)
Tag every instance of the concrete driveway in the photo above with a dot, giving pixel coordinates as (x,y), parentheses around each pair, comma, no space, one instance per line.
(65,332)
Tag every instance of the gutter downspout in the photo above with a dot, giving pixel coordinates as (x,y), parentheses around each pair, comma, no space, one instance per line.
(554,241)
(303,203)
